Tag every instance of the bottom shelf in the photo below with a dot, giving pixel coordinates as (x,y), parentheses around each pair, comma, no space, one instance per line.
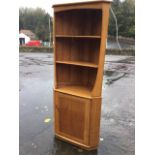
(81,91)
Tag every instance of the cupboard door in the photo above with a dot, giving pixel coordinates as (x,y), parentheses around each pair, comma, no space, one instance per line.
(72,117)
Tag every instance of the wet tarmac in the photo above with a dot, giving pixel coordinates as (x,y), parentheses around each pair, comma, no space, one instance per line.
(112,44)
(117,133)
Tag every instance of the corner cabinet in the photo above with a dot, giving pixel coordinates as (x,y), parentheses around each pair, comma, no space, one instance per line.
(80,32)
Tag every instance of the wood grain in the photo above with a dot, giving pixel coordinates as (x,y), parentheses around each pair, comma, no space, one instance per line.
(77,63)
(80,33)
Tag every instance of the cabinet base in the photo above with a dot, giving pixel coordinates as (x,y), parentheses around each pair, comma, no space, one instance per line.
(80,145)
(77,120)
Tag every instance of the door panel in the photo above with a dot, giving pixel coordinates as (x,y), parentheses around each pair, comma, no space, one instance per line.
(73,117)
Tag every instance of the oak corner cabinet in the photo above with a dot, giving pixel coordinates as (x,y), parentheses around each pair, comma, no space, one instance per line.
(80,32)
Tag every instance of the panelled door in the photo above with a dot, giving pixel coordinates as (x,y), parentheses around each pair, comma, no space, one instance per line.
(72,117)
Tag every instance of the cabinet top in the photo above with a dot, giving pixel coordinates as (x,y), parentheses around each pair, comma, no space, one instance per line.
(82,2)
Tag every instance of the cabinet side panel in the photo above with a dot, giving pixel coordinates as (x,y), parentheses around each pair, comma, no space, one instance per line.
(54,51)
(56,112)
(105,20)
(95,113)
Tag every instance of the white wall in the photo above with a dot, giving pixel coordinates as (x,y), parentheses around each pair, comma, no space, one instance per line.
(22,35)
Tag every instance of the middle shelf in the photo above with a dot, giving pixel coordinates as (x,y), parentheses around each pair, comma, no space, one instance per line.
(80,52)
(78,63)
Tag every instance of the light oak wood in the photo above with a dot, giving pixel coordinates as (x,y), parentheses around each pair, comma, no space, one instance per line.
(80,91)
(75,75)
(71,36)
(80,5)
(69,22)
(88,2)
(80,33)
(75,49)
(78,63)
(98,83)
(78,119)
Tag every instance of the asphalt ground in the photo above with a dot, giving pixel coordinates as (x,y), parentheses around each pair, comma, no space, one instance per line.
(117,131)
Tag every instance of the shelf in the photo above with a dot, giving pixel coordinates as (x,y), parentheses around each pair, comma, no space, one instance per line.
(78,50)
(78,36)
(78,63)
(80,22)
(81,91)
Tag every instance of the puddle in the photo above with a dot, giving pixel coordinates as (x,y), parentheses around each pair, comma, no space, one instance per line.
(63,148)
(112,76)
(129,60)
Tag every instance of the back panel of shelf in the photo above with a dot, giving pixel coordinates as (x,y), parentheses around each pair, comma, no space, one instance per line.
(69,75)
(84,50)
(78,22)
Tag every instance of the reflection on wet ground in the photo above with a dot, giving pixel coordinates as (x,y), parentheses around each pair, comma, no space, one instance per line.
(112,44)
(36,108)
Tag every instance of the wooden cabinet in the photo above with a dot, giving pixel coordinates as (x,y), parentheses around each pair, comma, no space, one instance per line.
(80,32)
(72,115)
(77,119)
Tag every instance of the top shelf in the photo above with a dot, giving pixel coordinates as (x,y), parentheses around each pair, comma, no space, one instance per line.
(81,2)
(85,23)
(78,36)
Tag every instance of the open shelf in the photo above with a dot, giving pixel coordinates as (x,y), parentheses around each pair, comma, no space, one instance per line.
(73,79)
(80,32)
(77,47)
(78,63)
(82,22)
(78,51)
(76,90)
(71,36)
